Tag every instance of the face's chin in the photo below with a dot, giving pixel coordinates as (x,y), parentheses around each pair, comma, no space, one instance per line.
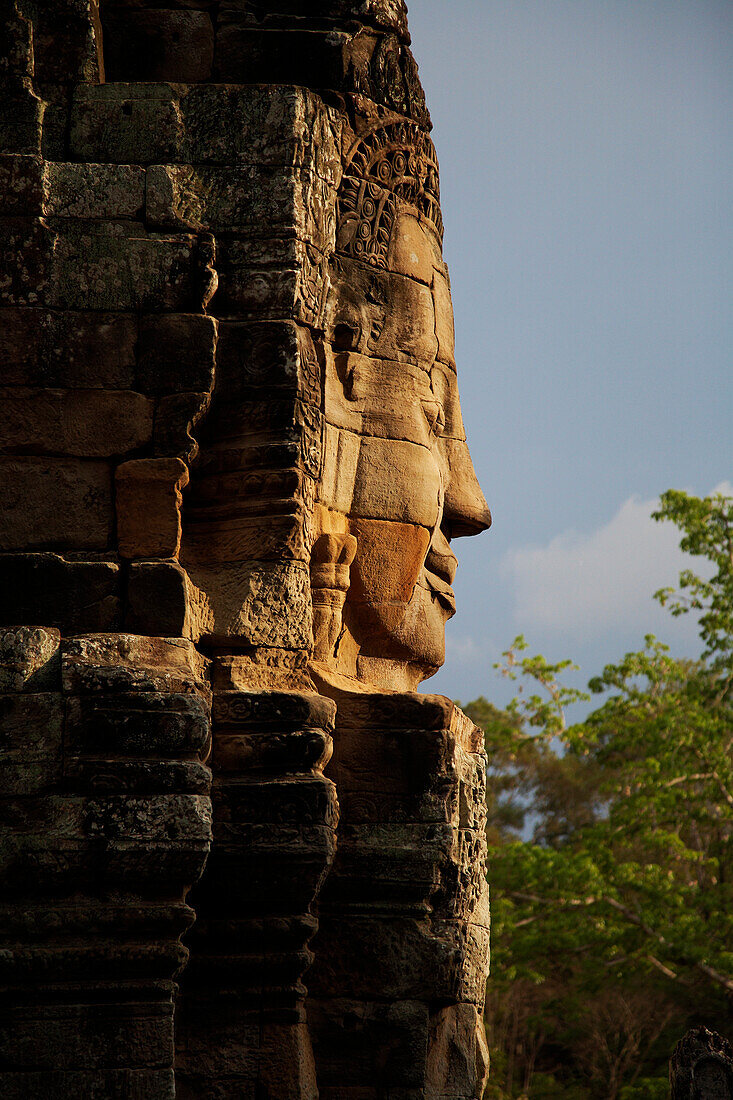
(410,641)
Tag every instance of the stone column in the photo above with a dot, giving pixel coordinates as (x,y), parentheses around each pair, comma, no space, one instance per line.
(241,1027)
(106,823)
(397,988)
(701,1067)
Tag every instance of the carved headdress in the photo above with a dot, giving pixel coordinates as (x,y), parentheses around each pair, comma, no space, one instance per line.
(390,166)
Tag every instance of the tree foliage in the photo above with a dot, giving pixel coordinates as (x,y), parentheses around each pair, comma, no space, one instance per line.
(612,849)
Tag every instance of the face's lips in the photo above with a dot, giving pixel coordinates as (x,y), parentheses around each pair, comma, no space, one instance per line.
(442,591)
(439,571)
(440,587)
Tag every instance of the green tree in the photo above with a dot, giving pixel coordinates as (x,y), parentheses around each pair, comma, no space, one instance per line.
(613,925)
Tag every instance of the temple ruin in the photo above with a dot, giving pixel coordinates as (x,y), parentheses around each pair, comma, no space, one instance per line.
(242,856)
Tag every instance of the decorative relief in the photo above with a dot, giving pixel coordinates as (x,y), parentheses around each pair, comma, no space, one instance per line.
(393,164)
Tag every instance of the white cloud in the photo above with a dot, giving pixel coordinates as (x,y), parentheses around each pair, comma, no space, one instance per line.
(587,585)
(462,650)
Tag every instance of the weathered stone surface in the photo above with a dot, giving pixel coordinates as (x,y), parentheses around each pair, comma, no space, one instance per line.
(146,724)
(86,423)
(31,737)
(71,595)
(701,1067)
(176,417)
(125,123)
(148,504)
(158,600)
(29,658)
(259,603)
(256,359)
(346,62)
(206,124)
(55,503)
(286,201)
(383,1045)
(123,269)
(69,349)
(67,42)
(21,181)
(158,45)
(458,1062)
(129,662)
(177,353)
(95,191)
(26,245)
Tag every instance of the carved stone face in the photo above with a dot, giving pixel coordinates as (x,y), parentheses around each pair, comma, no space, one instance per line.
(397,473)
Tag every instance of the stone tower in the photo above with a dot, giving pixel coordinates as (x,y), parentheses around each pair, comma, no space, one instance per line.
(241,856)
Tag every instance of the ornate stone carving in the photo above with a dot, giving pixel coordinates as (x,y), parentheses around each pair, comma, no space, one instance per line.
(393,164)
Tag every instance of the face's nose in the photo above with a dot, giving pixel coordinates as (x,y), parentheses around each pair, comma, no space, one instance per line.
(465,511)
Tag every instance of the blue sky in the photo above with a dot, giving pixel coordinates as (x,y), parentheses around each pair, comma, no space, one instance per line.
(586,151)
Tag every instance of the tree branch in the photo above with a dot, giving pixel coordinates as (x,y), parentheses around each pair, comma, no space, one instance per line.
(633,918)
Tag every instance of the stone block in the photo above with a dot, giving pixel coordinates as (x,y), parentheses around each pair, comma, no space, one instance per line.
(388,15)
(85,423)
(365,1045)
(287,201)
(294,800)
(126,123)
(247,124)
(249,54)
(67,44)
(270,278)
(176,418)
(26,247)
(138,777)
(148,123)
(121,1084)
(158,45)
(21,124)
(148,503)
(21,184)
(110,662)
(282,418)
(54,503)
(71,1036)
(395,958)
(257,603)
(271,753)
(94,191)
(377,65)
(272,870)
(177,353)
(73,595)
(156,725)
(173,817)
(31,733)
(366,477)
(458,1059)
(109,266)
(70,349)
(240,538)
(273,356)
(29,658)
(158,599)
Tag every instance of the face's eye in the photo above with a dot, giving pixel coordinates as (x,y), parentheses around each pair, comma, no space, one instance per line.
(435,417)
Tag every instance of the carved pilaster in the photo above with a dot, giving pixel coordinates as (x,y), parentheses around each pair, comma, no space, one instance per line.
(241,1027)
(106,823)
(397,987)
